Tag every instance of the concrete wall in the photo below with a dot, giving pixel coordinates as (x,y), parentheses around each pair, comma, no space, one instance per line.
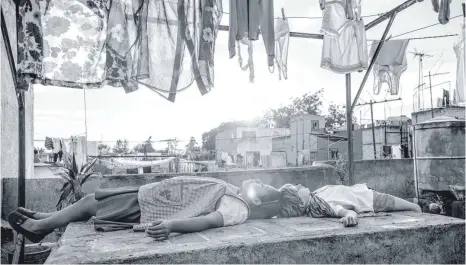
(282,145)
(9,105)
(390,176)
(301,127)
(440,154)
(451,111)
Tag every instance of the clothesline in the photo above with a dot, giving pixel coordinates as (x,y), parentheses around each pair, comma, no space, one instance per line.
(374,15)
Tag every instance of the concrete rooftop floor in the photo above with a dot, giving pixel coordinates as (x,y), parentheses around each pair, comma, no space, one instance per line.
(403,237)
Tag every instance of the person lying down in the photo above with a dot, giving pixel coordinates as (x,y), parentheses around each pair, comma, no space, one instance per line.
(175,205)
(339,201)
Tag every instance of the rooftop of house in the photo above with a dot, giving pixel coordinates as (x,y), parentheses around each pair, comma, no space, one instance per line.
(403,237)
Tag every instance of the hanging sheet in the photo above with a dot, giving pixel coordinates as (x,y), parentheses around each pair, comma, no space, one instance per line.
(162,44)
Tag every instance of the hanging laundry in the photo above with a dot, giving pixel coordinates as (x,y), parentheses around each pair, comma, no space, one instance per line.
(247,18)
(460,67)
(78,148)
(390,64)
(122,43)
(177,45)
(344,47)
(443,10)
(446,98)
(48,143)
(333,17)
(282,40)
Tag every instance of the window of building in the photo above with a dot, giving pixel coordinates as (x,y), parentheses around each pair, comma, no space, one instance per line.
(334,154)
(249,135)
(315,125)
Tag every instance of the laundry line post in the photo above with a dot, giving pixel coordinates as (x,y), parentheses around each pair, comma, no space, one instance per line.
(349,128)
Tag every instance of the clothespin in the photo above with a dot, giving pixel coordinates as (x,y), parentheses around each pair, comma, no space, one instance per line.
(322,4)
(283,13)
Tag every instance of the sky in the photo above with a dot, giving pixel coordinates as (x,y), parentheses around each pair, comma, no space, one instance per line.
(112,114)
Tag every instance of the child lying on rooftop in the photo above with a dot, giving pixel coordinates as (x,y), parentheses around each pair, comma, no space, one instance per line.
(179,204)
(340,201)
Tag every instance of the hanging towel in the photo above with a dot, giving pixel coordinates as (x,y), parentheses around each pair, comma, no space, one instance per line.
(282,40)
(389,65)
(247,19)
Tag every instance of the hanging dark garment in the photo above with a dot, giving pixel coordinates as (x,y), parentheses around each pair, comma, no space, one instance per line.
(121,43)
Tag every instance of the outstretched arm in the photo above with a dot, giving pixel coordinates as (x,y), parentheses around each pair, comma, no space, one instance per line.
(161,230)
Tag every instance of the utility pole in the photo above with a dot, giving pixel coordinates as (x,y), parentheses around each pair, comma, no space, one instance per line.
(430,88)
(421,55)
(371,103)
(373,130)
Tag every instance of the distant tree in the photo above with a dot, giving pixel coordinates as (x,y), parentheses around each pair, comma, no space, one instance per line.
(144,147)
(121,147)
(309,103)
(336,117)
(193,149)
(172,147)
(103,148)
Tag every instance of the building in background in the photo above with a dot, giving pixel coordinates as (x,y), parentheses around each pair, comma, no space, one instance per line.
(392,139)
(303,143)
(247,146)
(334,145)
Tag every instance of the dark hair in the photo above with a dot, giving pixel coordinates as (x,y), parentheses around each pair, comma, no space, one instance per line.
(291,204)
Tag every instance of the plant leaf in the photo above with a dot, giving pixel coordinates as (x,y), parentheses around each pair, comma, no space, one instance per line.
(75,166)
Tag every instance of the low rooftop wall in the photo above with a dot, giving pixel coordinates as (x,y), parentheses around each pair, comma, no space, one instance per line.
(389,176)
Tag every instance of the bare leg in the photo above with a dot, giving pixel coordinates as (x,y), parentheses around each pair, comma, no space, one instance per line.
(388,203)
(41,215)
(79,211)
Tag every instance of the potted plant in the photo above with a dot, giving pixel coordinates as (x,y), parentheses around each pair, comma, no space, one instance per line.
(71,190)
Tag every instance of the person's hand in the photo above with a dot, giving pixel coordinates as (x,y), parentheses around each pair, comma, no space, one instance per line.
(351,219)
(159,230)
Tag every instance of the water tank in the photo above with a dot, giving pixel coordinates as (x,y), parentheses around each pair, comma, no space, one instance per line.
(439,153)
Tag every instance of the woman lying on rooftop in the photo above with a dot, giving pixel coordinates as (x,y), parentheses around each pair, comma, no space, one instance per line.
(340,201)
(179,204)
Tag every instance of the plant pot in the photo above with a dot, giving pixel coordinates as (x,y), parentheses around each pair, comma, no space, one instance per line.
(33,254)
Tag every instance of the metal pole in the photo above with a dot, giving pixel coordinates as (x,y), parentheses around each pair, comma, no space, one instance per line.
(371,64)
(85,123)
(431,101)
(349,128)
(373,130)
(395,10)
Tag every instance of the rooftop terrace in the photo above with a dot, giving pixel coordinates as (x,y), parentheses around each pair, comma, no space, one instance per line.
(403,237)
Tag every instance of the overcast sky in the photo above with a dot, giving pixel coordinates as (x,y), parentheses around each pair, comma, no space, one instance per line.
(112,114)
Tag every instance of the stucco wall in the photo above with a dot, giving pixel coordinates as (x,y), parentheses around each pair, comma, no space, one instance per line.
(9,105)
(440,151)
(390,176)
(301,139)
(452,112)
